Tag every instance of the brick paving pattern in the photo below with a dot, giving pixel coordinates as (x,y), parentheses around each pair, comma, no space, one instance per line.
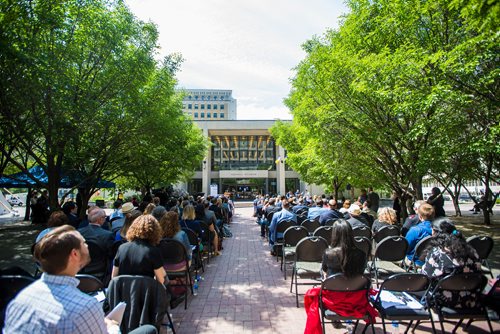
(243,291)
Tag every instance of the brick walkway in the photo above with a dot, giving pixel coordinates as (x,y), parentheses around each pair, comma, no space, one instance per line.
(243,291)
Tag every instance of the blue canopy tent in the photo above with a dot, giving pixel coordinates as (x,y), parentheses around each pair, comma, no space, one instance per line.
(68,180)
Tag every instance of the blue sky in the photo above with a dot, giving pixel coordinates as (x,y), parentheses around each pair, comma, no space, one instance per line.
(248,46)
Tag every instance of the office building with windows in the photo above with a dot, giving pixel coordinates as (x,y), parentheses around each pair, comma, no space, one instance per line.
(209,104)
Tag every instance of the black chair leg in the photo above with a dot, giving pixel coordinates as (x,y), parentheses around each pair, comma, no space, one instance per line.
(457,325)
(383,325)
(170,322)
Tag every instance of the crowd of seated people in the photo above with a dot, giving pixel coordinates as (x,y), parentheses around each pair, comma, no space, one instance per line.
(126,244)
(446,253)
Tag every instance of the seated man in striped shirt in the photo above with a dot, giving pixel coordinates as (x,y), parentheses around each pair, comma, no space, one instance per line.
(53,304)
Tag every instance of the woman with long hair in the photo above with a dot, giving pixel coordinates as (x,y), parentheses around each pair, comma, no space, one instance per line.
(343,256)
(140,256)
(169,223)
(129,219)
(449,253)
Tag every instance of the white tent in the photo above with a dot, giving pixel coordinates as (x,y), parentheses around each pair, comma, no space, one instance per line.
(5,207)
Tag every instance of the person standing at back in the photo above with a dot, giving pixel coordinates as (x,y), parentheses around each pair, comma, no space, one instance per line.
(374,199)
(437,201)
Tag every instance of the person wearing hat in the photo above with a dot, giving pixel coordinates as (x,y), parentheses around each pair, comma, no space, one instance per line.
(331,214)
(356,219)
(117,224)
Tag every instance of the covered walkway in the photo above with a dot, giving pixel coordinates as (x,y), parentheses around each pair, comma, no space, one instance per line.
(243,291)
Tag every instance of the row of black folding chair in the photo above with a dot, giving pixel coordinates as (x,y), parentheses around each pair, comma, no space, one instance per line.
(402,306)
(197,258)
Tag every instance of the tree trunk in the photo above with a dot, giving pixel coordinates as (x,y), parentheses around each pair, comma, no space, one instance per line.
(417,187)
(28,205)
(487,190)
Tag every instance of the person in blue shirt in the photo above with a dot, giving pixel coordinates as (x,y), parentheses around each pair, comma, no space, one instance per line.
(316,211)
(419,231)
(284,214)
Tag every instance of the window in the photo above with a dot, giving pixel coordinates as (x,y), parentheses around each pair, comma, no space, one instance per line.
(209,115)
(195,106)
(202,107)
(221,107)
(202,115)
(203,97)
(215,115)
(209,106)
(195,115)
(190,106)
(221,115)
(196,97)
(215,107)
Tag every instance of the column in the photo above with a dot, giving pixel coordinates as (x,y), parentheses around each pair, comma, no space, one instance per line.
(280,171)
(206,168)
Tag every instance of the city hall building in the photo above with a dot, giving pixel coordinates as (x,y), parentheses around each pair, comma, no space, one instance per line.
(244,159)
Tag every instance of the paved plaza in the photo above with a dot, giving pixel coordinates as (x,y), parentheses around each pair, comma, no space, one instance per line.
(243,290)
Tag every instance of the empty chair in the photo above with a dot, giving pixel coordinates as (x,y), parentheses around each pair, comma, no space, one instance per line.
(388,251)
(291,238)
(483,246)
(465,285)
(311,225)
(307,263)
(420,253)
(386,231)
(324,232)
(332,290)
(330,222)
(394,304)
(362,231)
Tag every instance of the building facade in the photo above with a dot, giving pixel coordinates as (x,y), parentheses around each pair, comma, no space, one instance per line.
(243,160)
(209,104)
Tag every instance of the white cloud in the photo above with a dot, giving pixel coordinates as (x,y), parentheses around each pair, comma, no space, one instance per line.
(247,46)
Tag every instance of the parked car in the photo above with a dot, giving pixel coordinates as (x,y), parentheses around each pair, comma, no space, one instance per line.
(14,200)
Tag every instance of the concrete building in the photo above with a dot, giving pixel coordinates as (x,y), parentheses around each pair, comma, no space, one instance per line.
(244,160)
(209,104)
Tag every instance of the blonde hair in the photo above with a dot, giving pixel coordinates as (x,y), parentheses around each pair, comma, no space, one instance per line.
(149,209)
(387,215)
(188,212)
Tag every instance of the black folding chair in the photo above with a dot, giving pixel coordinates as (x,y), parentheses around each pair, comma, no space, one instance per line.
(324,232)
(307,264)
(388,251)
(173,252)
(401,306)
(420,253)
(341,283)
(330,222)
(194,241)
(464,284)
(281,227)
(146,301)
(364,244)
(311,225)
(362,231)
(206,239)
(483,245)
(89,284)
(10,286)
(291,238)
(99,265)
(386,231)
